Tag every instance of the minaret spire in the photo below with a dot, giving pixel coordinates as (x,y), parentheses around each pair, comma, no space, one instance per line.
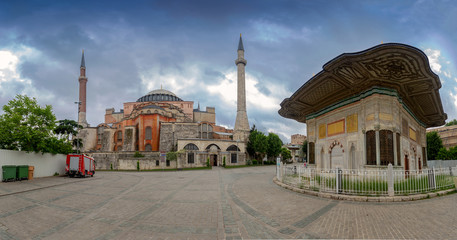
(240,44)
(82,93)
(241,131)
(83,63)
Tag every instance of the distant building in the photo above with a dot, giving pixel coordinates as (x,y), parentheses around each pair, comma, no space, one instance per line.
(161,122)
(448,135)
(369,109)
(297,139)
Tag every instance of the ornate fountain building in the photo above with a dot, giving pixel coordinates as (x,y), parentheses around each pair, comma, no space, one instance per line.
(368,109)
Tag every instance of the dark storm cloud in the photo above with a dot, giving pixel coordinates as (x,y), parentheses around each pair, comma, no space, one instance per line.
(286,42)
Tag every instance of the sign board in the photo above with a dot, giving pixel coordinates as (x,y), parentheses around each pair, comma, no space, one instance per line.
(163,156)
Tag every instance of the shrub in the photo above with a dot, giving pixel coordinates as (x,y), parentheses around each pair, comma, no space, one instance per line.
(111,166)
(138,154)
(223,163)
(254,162)
(207,162)
(138,165)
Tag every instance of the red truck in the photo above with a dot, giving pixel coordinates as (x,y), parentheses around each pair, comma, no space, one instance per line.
(79,165)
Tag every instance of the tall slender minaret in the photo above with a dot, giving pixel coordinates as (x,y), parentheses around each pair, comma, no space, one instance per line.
(241,132)
(82,93)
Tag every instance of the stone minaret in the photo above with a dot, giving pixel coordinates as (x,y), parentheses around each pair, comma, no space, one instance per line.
(82,93)
(241,132)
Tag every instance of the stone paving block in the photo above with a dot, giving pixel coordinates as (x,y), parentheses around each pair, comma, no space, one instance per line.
(235,204)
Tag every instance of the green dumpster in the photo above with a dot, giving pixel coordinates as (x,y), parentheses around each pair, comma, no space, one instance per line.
(22,172)
(9,173)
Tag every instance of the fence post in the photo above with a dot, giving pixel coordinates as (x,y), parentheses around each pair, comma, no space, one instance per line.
(431,178)
(278,168)
(434,177)
(338,180)
(299,178)
(390,180)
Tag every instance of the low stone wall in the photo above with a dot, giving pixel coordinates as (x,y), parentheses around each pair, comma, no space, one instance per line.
(127,161)
(441,163)
(45,164)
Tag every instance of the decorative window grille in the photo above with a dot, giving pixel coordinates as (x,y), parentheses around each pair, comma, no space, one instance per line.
(190,157)
(386,147)
(311,154)
(371,147)
(233,158)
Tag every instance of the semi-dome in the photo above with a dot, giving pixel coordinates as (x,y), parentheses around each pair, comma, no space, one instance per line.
(159,95)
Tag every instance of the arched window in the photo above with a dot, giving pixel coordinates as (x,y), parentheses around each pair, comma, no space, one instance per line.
(100,131)
(119,136)
(191,146)
(148,134)
(371,147)
(386,147)
(205,131)
(311,157)
(233,148)
(352,156)
(148,147)
(213,147)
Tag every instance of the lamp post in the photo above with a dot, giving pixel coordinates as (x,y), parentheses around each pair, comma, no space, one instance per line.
(77,120)
(237,150)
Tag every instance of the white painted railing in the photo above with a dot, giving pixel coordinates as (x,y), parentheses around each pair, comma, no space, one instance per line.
(367,182)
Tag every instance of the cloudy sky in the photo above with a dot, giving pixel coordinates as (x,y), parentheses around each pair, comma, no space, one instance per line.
(189,47)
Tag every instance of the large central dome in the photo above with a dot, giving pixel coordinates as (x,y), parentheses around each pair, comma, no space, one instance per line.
(159,95)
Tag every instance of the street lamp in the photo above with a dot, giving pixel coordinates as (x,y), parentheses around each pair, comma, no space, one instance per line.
(237,150)
(77,120)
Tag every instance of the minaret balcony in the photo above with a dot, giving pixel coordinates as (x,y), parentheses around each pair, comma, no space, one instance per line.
(241,60)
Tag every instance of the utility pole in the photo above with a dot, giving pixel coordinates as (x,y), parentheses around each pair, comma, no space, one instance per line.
(77,139)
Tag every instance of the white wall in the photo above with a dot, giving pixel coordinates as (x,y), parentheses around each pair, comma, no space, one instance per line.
(45,164)
(441,163)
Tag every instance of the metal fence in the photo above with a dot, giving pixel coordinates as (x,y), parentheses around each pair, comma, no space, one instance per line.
(366,182)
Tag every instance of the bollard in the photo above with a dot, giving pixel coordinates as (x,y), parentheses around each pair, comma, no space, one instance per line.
(390,180)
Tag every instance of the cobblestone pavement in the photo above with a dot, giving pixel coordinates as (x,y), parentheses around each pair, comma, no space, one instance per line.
(208,204)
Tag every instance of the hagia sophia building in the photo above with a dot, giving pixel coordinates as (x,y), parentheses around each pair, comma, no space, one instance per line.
(160,122)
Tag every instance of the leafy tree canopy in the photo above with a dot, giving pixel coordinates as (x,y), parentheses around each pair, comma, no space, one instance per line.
(27,126)
(444,154)
(274,145)
(451,123)
(434,144)
(67,128)
(285,153)
(257,144)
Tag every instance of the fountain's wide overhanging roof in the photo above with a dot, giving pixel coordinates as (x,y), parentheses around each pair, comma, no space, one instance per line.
(395,66)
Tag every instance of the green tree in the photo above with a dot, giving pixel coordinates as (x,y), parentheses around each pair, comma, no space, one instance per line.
(274,145)
(443,154)
(26,126)
(434,144)
(451,123)
(285,153)
(453,153)
(257,144)
(67,129)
